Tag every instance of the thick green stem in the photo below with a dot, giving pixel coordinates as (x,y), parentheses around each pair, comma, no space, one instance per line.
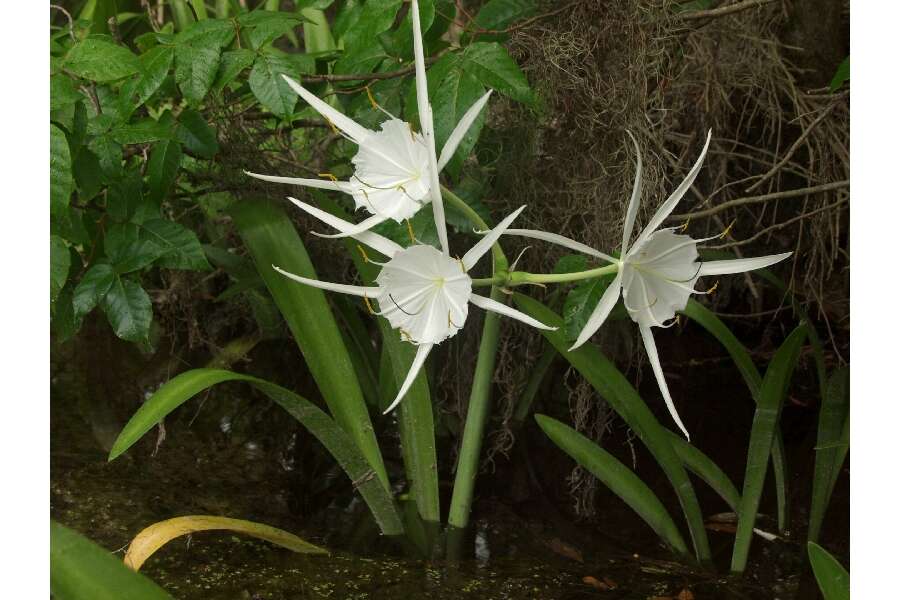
(181,14)
(460,204)
(476,419)
(480,396)
(514,278)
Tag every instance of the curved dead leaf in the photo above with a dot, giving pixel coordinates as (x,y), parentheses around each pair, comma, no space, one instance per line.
(157,535)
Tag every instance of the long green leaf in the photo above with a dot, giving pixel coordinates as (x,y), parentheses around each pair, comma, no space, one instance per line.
(765,421)
(416,421)
(82,570)
(618,478)
(624,399)
(703,467)
(832,577)
(741,357)
(831,450)
(186,385)
(272,240)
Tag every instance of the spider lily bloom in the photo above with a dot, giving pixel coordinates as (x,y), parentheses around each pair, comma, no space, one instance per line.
(656,275)
(422,292)
(396,169)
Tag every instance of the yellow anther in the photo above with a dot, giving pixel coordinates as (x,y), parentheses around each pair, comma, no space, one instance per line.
(727,229)
(412,235)
(329,176)
(332,125)
(462,265)
(369,305)
(685,225)
(371,98)
(450,322)
(678,320)
(363,252)
(405,334)
(713,288)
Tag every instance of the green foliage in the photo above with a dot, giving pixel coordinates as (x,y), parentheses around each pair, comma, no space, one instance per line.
(841,75)
(832,444)
(618,478)
(272,240)
(624,399)
(832,577)
(762,434)
(339,444)
(82,570)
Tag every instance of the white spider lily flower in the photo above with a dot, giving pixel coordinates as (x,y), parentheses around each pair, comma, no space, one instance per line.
(656,274)
(396,169)
(422,292)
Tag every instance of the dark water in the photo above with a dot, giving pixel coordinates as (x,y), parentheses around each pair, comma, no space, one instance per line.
(226,453)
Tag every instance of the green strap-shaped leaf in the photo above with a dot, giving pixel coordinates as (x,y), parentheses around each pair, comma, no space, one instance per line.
(831,447)
(703,467)
(82,570)
(186,385)
(768,412)
(416,413)
(618,478)
(624,399)
(272,240)
(741,357)
(832,577)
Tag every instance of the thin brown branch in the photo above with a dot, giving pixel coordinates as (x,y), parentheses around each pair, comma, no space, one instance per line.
(825,187)
(794,147)
(369,76)
(68,16)
(782,225)
(723,11)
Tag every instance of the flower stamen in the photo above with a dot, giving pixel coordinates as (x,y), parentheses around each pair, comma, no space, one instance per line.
(401,308)
(369,305)
(328,175)
(725,233)
(409,229)
(362,251)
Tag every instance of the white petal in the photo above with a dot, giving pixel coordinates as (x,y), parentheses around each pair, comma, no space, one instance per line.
(353,129)
(484,244)
(414,368)
(650,346)
(355,230)
(507,311)
(369,238)
(353,290)
(321,184)
(669,205)
(460,130)
(604,307)
(426,120)
(635,201)
(560,240)
(740,265)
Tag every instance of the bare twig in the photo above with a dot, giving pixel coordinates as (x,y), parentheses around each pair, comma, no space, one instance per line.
(68,18)
(794,147)
(369,76)
(825,187)
(781,225)
(724,10)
